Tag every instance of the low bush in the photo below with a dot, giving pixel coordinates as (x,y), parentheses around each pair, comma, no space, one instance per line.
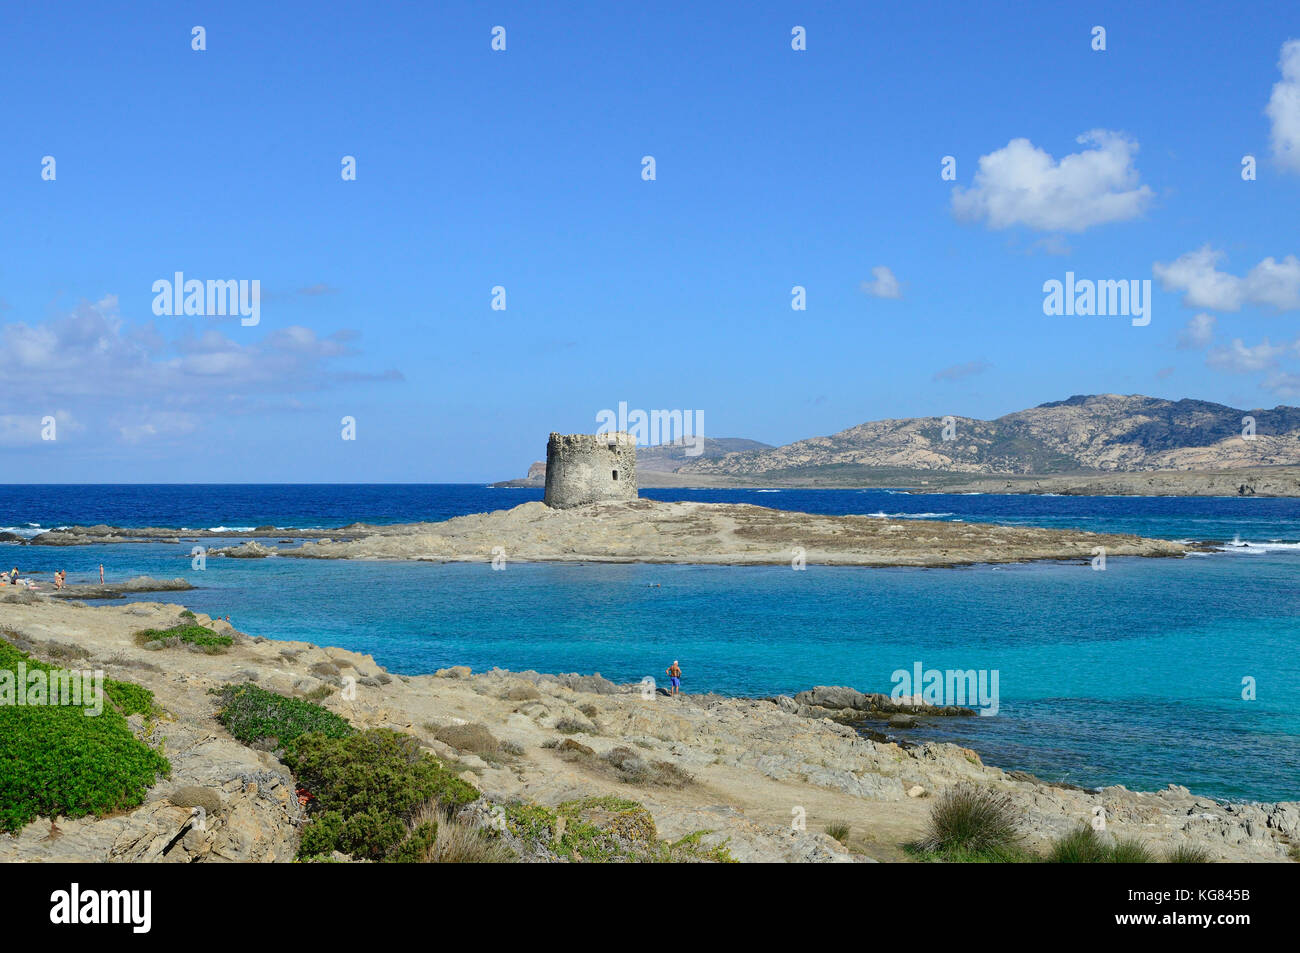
(1187,854)
(968,821)
(1085,846)
(189,633)
(366,789)
(438,839)
(254,715)
(624,764)
(56,760)
(605,829)
(1080,846)
(472,738)
(1127,850)
(839,830)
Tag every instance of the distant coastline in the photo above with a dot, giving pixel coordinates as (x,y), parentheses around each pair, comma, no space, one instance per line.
(1274,481)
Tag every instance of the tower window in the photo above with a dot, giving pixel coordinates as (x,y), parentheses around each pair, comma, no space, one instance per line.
(615,474)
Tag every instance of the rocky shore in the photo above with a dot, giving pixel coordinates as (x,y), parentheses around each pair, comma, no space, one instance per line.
(742,770)
(1247,481)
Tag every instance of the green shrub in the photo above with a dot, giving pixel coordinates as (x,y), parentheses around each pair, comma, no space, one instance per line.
(253,714)
(421,842)
(191,633)
(576,840)
(968,820)
(366,787)
(187,614)
(1080,846)
(55,760)
(1084,845)
(690,850)
(605,829)
(1127,850)
(437,839)
(1187,854)
(129,698)
(838,830)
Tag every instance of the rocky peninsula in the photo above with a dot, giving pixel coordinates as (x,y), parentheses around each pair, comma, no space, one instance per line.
(651,531)
(722,533)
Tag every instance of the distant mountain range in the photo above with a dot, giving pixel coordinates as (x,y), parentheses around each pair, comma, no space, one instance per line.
(1104,432)
(1097,434)
(674,457)
(662,459)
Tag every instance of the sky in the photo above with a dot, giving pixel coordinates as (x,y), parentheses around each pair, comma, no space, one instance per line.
(128,155)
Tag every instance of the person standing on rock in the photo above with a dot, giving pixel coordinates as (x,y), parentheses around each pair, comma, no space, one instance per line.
(675,678)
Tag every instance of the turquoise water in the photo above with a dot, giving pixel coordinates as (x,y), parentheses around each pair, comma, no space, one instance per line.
(1132,675)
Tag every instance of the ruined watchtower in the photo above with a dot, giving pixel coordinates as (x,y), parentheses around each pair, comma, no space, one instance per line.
(590,468)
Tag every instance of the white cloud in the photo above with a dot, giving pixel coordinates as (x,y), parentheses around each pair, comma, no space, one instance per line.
(21,429)
(1204,285)
(1021,184)
(959,371)
(1275,283)
(1283,108)
(1284,385)
(153,425)
(1237,358)
(1053,245)
(131,381)
(884,285)
(1271,283)
(1198,333)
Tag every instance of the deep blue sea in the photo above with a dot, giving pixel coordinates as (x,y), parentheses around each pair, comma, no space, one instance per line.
(1133,675)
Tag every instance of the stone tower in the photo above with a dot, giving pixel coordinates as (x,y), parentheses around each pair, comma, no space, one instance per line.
(590,468)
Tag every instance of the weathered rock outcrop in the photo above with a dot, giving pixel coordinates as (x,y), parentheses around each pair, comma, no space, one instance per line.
(742,767)
(720,533)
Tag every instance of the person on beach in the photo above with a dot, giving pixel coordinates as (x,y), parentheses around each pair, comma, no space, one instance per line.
(13,576)
(59,577)
(101,574)
(675,678)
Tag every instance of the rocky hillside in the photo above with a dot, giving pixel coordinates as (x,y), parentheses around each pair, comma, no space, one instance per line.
(672,457)
(1105,432)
